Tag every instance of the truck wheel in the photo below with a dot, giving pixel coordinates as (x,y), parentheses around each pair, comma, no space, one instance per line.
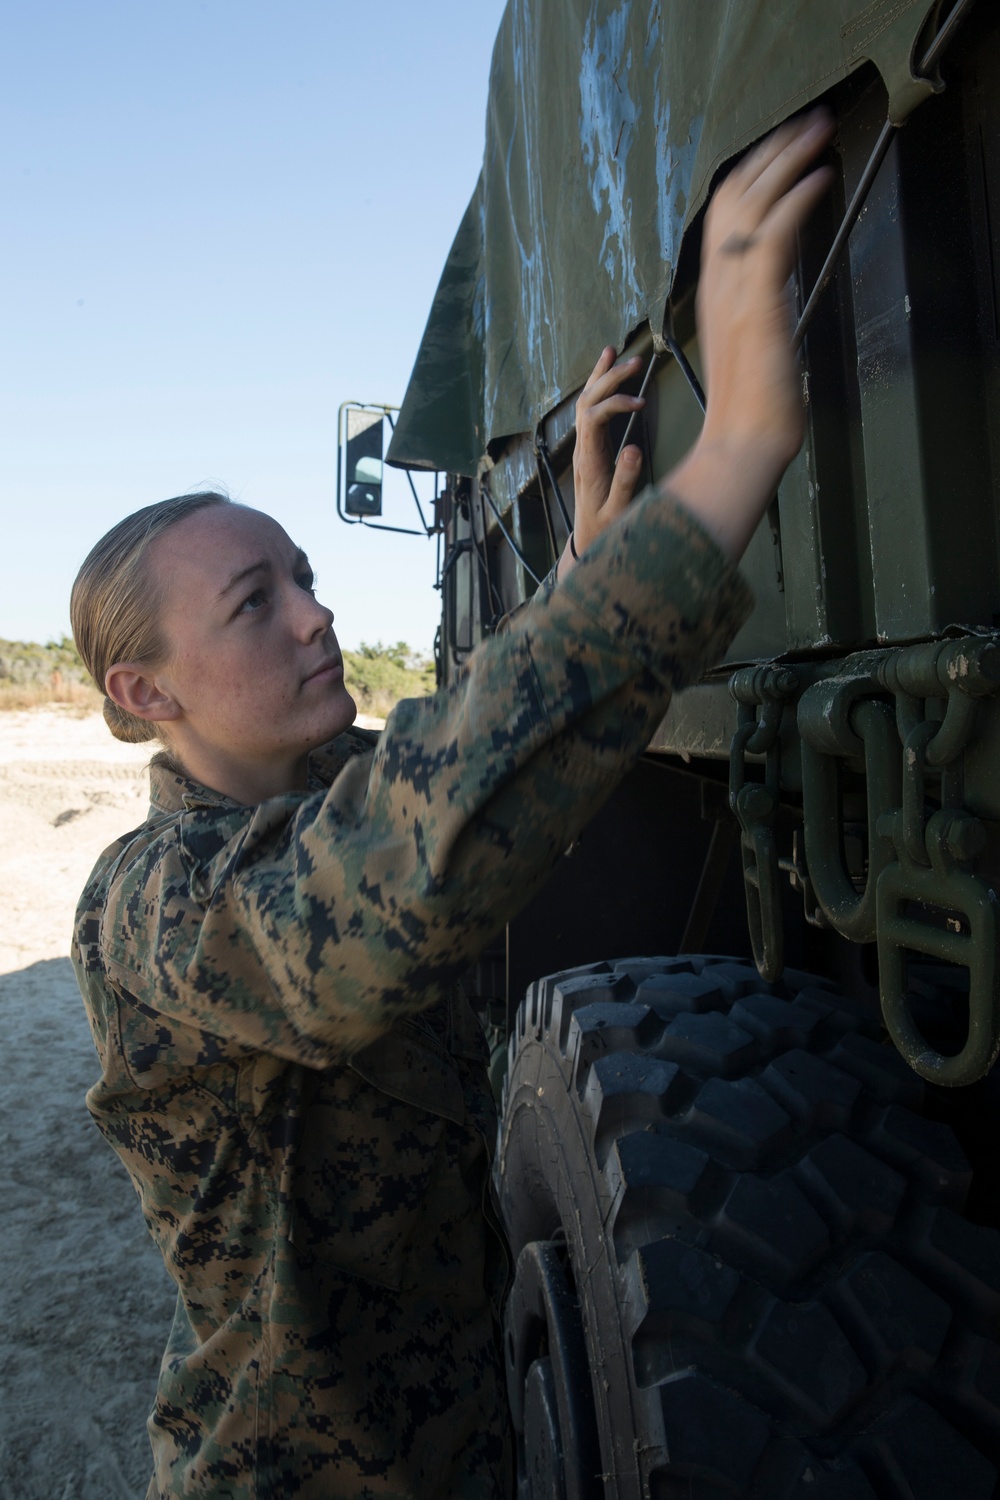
(742,1268)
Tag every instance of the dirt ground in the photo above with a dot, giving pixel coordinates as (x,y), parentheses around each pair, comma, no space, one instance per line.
(85,1302)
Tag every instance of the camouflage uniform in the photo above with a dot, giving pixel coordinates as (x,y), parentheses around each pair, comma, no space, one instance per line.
(287,1076)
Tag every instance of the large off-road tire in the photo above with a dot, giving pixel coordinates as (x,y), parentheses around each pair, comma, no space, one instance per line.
(742,1266)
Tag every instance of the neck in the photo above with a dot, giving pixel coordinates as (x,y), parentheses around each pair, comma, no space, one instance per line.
(244,780)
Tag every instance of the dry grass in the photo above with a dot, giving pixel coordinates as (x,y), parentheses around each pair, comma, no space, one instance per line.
(80,698)
(57,689)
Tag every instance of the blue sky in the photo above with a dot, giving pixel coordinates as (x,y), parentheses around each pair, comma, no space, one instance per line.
(223,218)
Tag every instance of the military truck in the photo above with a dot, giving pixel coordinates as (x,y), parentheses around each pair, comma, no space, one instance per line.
(749,1155)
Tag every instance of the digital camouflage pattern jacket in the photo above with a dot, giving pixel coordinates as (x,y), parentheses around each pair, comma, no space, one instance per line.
(297,1095)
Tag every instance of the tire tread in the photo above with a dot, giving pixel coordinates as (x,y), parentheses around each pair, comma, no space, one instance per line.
(785,1230)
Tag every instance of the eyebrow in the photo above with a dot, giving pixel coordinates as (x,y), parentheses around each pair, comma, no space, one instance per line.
(262,565)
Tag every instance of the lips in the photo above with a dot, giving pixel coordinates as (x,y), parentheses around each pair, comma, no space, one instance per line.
(331,670)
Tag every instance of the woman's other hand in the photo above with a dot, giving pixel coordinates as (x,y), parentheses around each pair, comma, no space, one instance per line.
(754,421)
(602,487)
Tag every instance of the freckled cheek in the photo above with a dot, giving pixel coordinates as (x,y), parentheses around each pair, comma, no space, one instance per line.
(264,692)
(195,678)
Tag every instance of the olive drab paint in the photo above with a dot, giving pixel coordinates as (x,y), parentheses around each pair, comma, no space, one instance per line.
(607,125)
(838,781)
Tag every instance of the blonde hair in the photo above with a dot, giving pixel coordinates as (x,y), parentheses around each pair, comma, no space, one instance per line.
(113,609)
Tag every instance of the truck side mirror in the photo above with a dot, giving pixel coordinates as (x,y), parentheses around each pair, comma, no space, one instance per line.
(362,462)
(361,471)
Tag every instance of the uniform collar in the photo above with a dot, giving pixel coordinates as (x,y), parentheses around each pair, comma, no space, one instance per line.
(171,791)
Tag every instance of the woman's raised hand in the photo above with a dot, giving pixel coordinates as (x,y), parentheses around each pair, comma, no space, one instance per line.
(744,311)
(603,488)
(754,421)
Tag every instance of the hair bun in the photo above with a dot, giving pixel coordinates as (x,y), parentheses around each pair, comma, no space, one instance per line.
(126,726)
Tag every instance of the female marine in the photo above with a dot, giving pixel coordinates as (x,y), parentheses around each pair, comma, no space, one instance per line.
(269,962)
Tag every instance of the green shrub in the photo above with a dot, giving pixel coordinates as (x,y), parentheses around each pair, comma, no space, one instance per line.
(28,664)
(32,675)
(378,676)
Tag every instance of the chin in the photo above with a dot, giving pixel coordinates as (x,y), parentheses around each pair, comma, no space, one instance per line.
(324,724)
(341,716)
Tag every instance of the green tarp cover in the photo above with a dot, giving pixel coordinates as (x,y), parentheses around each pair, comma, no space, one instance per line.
(606,122)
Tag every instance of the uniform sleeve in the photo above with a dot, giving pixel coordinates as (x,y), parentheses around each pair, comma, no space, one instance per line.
(542,592)
(323,922)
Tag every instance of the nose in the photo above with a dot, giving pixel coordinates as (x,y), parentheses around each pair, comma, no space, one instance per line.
(313,619)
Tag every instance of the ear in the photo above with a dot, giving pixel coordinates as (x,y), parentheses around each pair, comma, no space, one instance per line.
(134,689)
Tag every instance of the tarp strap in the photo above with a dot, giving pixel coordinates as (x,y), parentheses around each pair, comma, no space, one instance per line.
(506,534)
(545,462)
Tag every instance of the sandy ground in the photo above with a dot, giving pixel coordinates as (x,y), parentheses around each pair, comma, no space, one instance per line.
(84,1300)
